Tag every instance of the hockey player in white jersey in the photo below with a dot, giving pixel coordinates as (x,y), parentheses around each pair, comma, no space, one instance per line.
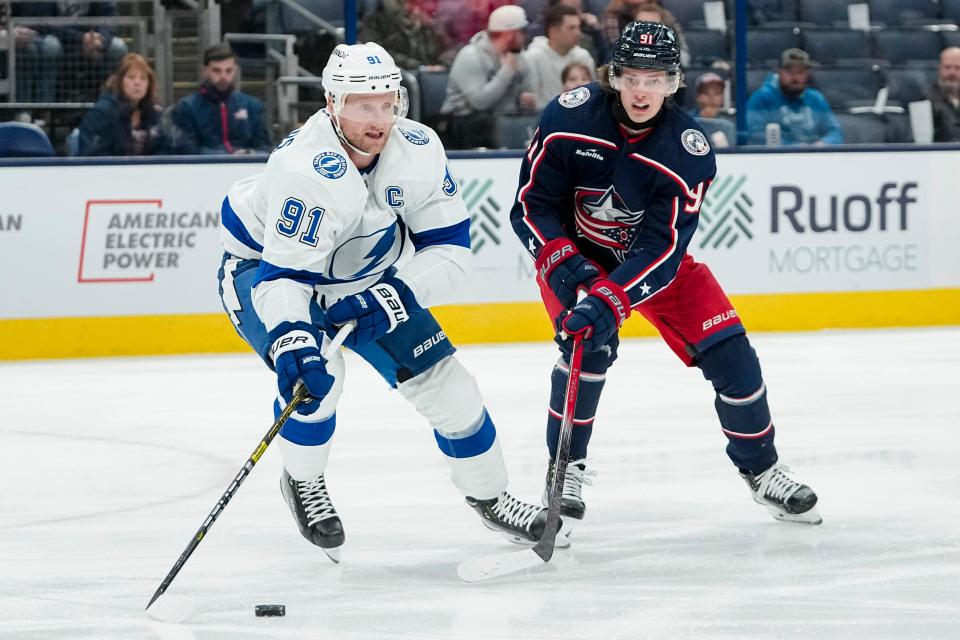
(357,219)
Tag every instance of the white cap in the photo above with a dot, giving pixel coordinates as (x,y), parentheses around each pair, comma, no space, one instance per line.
(509,17)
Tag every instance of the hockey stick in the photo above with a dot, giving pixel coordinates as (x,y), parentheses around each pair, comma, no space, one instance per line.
(180,611)
(502,564)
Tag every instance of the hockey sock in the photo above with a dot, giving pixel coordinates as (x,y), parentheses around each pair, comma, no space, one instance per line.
(588,397)
(741,402)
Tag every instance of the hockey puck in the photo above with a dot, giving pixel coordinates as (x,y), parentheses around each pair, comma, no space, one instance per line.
(270,610)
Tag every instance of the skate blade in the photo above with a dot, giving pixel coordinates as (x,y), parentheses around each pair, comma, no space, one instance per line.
(811,517)
(333,553)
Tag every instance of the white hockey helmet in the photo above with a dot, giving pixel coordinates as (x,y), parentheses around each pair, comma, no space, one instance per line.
(362,68)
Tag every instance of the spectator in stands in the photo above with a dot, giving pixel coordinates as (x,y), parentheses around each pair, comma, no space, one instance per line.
(461,20)
(219,119)
(801,113)
(617,15)
(408,33)
(488,77)
(576,75)
(126,119)
(709,97)
(88,49)
(944,95)
(592,34)
(38,60)
(547,55)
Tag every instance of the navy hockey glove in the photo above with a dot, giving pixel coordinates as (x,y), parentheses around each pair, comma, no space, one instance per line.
(564,270)
(598,316)
(295,350)
(377,311)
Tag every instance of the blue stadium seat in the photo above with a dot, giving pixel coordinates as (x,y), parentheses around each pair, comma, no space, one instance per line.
(534,10)
(899,13)
(950,10)
(863,128)
(766,45)
(684,11)
(902,45)
(719,125)
(433,91)
(909,84)
(707,45)
(24,140)
(515,131)
(762,12)
(827,46)
(292,22)
(756,76)
(826,13)
(951,38)
(846,86)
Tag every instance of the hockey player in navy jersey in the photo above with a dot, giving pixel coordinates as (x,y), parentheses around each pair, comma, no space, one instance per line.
(608,200)
(357,219)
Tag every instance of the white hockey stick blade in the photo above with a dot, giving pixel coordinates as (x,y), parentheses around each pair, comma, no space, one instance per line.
(498,565)
(172,608)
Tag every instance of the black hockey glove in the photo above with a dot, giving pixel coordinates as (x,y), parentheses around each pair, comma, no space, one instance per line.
(377,311)
(598,316)
(562,268)
(296,356)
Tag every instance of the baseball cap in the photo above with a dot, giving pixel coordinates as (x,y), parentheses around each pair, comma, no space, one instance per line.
(794,56)
(509,17)
(708,78)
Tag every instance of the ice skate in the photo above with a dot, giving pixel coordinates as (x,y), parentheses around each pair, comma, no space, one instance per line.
(316,518)
(520,522)
(571,501)
(785,498)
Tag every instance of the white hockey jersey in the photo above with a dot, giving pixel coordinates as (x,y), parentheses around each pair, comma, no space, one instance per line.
(322,227)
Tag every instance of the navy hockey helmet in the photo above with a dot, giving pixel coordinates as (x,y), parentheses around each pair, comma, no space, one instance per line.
(646,45)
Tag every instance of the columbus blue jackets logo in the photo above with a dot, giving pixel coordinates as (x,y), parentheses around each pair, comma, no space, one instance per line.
(604,219)
(415,136)
(449,184)
(695,142)
(574,97)
(330,164)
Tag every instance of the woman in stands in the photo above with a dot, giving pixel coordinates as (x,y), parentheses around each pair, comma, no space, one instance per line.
(125,121)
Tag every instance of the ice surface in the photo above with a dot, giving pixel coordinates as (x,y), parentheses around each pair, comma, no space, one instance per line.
(109,466)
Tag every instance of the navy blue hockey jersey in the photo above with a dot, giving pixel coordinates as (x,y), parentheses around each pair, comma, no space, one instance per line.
(630,204)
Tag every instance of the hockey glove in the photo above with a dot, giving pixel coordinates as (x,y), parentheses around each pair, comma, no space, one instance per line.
(562,268)
(377,311)
(598,316)
(295,350)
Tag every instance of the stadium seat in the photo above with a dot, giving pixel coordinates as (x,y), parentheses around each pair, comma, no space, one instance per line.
(846,86)
(24,140)
(826,13)
(713,126)
(950,10)
(909,84)
(756,76)
(534,10)
(433,91)
(764,12)
(950,38)
(827,46)
(291,21)
(685,12)
(899,13)
(902,45)
(707,45)
(765,45)
(515,131)
(863,128)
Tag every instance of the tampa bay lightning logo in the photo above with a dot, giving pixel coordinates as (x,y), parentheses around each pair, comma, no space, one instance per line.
(330,164)
(415,136)
(366,255)
(449,184)
(604,219)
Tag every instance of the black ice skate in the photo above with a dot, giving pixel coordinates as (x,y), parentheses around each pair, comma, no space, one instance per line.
(785,498)
(316,518)
(520,522)
(571,501)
